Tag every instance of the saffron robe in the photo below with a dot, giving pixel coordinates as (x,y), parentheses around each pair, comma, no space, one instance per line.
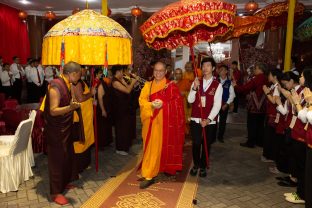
(87,117)
(162,129)
(184,88)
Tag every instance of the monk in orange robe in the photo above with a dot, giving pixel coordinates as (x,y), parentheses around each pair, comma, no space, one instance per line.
(184,87)
(189,72)
(162,116)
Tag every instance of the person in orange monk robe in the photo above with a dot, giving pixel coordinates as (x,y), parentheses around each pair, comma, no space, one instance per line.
(184,87)
(189,72)
(162,116)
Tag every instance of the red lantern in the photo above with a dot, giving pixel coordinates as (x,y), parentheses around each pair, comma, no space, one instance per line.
(50,15)
(75,10)
(109,12)
(251,6)
(136,11)
(22,15)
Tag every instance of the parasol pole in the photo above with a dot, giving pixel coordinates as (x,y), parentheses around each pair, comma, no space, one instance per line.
(200,105)
(104,7)
(95,125)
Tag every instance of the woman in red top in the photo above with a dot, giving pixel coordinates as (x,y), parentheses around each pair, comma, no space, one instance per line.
(304,188)
(269,141)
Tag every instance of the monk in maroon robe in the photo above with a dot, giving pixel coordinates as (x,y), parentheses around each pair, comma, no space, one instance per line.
(58,115)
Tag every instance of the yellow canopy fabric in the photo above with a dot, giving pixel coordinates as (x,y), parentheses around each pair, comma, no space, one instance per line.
(85,35)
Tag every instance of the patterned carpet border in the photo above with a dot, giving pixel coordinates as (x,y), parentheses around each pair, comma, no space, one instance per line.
(111,185)
(185,200)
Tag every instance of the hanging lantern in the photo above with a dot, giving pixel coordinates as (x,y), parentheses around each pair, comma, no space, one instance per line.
(109,12)
(50,15)
(251,6)
(136,11)
(75,11)
(22,15)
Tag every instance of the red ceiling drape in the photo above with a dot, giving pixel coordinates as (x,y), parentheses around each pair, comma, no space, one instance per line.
(14,40)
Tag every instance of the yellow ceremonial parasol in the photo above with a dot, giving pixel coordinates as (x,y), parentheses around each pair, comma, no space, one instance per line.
(86,36)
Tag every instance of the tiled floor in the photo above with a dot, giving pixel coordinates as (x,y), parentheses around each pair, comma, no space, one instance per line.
(237,178)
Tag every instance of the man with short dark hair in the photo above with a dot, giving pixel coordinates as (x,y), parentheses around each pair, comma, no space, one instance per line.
(206,98)
(228,96)
(236,76)
(18,73)
(255,105)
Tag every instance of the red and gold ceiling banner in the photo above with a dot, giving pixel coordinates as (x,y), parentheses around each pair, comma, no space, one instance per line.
(187,22)
(244,25)
(276,14)
(248,25)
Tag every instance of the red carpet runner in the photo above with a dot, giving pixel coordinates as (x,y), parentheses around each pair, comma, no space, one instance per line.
(168,192)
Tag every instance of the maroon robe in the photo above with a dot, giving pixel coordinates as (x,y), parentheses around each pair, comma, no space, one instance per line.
(58,134)
(121,114)
(104,125)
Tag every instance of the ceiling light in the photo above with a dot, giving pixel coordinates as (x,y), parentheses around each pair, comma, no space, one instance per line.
(24,2)
(240,14)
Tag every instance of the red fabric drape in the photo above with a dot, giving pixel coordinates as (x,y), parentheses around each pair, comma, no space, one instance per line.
(14,40)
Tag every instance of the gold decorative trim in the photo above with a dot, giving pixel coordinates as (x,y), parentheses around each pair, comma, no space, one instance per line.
(111,185)
(188,192)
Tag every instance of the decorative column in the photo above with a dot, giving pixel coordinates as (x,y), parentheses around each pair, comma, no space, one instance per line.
(235,50)
(271,44)
(35,28)
(137,38)
(289,34)
(185,55)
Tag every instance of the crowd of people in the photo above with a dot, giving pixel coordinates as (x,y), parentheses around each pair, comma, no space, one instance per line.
(174,105)
(25,83)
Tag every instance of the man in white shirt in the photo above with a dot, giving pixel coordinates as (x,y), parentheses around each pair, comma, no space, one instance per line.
(30,64)
(36,76)
(7,80)
(18,73)
(205,94)
(227,98)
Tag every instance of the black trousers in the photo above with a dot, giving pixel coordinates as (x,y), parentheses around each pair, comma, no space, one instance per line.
(308,178)
(283,152)
(255,128)
(17,86)
(35,93)
(269,142)
(235,102)
(222,123)
(298,164)
(198,148)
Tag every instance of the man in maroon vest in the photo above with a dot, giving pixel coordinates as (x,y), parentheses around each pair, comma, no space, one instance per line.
(206,98)
(255,105)
(58,115)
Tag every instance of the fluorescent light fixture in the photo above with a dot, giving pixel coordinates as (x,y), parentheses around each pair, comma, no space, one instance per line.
(24,2)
